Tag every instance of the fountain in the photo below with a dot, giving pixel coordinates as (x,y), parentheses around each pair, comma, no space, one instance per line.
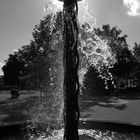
(95,54)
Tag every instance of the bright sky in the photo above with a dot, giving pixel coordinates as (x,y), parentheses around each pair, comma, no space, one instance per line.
(18,17)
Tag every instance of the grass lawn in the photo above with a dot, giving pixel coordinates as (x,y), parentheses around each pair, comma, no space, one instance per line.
(102,108)
(122,109)
(16,110)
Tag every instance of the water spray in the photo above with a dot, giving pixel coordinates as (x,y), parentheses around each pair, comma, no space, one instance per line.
(95,53)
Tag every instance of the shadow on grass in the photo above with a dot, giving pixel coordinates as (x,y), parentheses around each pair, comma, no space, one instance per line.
(33,108)
(103,101)
(17,110)
(117,101)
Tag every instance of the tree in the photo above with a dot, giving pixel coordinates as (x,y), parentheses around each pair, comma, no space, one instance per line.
(136,73)
(13,69)
(123,69)
(93,83)
(42,52)
(116,40)
(125,60)
(136,51)
(125,63)
(48,41)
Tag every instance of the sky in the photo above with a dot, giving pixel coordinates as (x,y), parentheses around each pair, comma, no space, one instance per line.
(18,18)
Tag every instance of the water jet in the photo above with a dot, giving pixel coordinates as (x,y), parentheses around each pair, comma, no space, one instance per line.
(71,63)
(63,0)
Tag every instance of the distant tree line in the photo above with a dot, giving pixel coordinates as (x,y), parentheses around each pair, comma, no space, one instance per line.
(39,64)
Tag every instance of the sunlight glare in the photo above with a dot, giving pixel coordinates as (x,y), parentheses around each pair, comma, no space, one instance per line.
(58,4)
(85,14)
(52,6)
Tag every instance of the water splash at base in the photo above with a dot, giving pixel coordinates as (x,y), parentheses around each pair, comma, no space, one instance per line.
(90,134)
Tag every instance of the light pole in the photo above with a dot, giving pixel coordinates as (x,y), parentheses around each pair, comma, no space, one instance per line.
(71,62)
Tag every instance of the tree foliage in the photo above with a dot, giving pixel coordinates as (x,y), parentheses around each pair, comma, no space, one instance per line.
(118,44)
(13,69)
(125,66)
(40,55)
(136,51)
(93,83)
(136,74)
(114,37)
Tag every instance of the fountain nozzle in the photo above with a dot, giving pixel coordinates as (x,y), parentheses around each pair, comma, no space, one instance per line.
(63,0)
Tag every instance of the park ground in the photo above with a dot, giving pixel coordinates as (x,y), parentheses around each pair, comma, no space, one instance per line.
(121,109)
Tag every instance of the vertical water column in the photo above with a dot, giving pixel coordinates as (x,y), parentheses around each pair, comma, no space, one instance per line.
(71,62)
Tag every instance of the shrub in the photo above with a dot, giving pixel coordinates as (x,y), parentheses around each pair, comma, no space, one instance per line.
(14,94)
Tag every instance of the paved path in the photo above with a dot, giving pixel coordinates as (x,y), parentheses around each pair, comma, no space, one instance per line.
(112,109)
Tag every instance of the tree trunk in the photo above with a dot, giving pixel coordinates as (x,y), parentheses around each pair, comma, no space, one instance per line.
(71,62)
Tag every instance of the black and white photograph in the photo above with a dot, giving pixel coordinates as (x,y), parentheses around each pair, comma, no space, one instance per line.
(69,69)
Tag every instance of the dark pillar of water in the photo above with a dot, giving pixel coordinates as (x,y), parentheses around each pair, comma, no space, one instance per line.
(71,62)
